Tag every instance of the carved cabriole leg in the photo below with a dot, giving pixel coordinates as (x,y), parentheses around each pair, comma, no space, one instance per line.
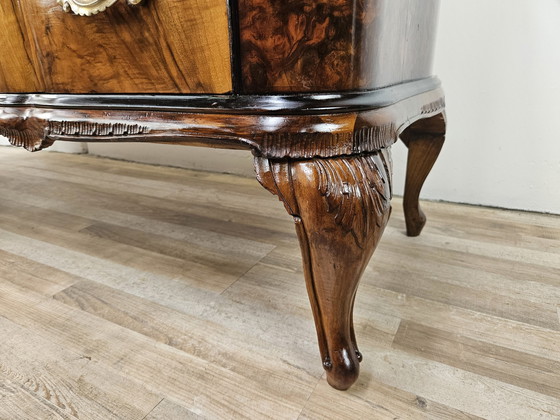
(424,140)
(340,207)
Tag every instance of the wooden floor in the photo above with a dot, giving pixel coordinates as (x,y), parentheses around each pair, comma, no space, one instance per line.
(130,291)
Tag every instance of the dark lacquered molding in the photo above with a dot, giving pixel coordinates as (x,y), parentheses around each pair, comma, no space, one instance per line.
(290,104)
(235,42)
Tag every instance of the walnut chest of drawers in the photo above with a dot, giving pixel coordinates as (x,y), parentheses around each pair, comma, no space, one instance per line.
(317,90)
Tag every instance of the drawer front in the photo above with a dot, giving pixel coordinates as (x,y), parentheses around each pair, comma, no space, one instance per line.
(324,45)
(161,46)
(17,73)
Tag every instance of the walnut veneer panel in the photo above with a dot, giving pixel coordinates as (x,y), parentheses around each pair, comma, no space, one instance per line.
(324,45)
(171,46)
(17,72)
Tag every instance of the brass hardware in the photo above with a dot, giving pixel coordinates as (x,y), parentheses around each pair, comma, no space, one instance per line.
(89,7)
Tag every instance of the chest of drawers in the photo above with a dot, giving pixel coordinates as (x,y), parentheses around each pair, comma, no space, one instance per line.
(317,90)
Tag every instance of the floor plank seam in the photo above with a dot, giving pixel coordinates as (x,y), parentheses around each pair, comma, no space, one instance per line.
(245,273)
(152,410)
(309,396)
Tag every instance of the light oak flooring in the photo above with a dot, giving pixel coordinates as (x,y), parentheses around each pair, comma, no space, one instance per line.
(130,291)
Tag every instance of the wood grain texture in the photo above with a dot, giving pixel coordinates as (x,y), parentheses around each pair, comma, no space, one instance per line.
(517,368)
(17,73)
(63,383)
(180,331)
(213,270)
(168,46)
(40,278)
(450,343)
(318,45)
(376,400)
(140,359)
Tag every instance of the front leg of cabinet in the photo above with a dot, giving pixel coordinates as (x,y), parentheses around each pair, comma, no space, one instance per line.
(340,207)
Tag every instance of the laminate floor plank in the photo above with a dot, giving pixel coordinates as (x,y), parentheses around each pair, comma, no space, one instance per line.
(503,251)
(218,261)
(210,193)
(19,404)
(182,212)
(76,216)
(526,338)
(30,274)
(88,191)
(520,229)
(167,410)
(65,384)
(474,394)
(137,173)
(498,222)
(275,291)
(402,279)
(184,296)
(214,278)
(234,349)
(511,366)
(175,293)
(533,282)
(374,400)
(143,292)
(214,391)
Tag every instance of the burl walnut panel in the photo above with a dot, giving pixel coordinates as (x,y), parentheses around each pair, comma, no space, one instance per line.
(334,45)
(171,46)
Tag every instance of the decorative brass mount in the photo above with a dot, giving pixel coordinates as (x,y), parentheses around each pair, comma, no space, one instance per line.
(89,7)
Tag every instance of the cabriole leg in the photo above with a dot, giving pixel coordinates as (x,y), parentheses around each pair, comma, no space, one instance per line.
(340,208)
(424,140)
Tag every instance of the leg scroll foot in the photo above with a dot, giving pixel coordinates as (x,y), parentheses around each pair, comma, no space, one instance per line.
(340,208)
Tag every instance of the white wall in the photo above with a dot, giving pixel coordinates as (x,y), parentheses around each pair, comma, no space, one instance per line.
(229,161)
(64,147)
(499,62)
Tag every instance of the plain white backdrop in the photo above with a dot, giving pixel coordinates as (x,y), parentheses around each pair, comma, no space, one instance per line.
(499,62)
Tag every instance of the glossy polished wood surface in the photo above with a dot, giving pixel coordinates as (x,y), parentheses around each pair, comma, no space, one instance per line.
(320,45)
(170,46)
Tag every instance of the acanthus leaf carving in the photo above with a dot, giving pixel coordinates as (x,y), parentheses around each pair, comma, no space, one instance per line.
(357,191)
(353,187)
